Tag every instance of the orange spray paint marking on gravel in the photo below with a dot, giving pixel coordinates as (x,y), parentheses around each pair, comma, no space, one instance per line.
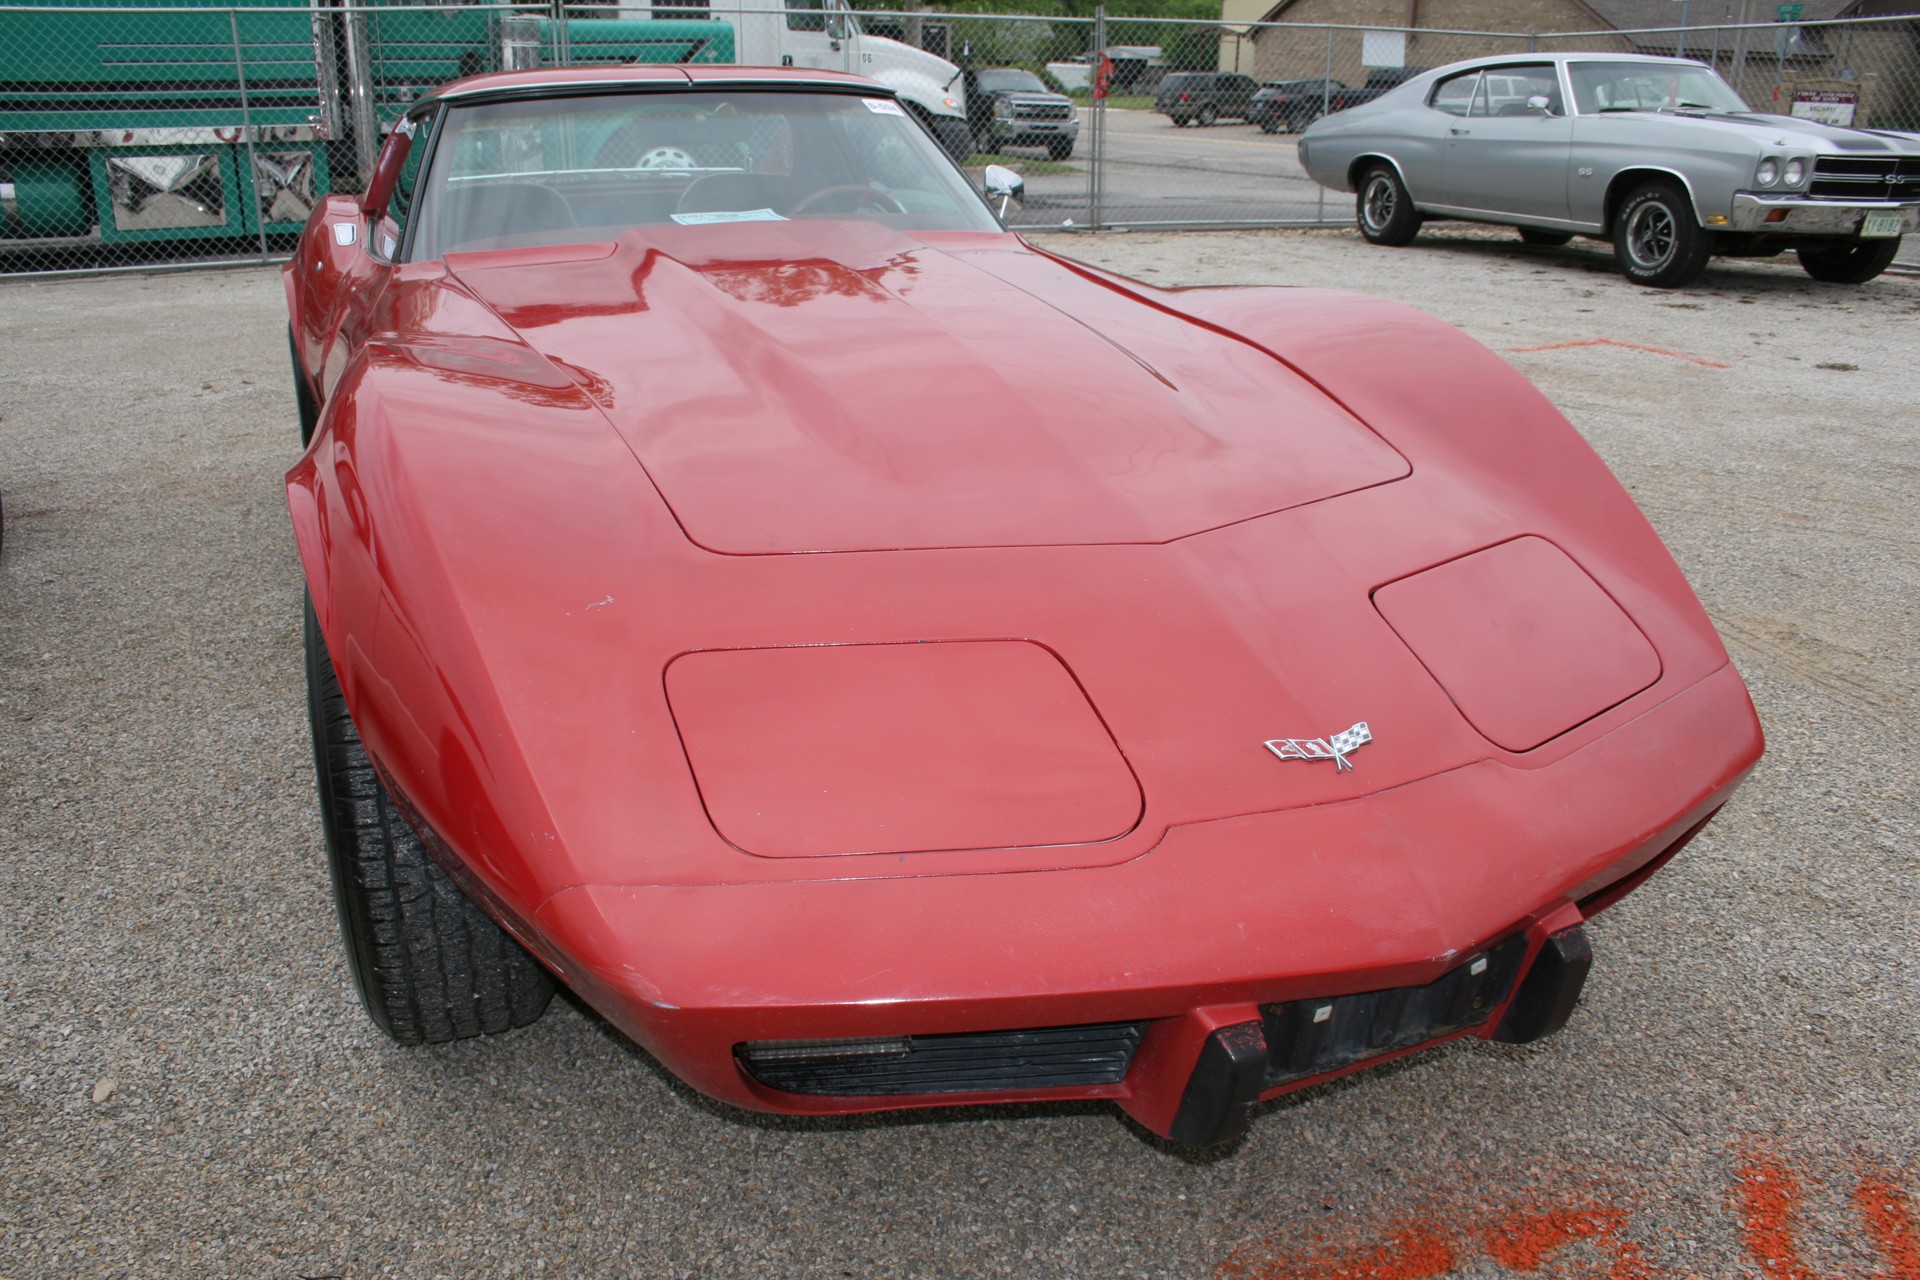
(1630,346)
(1525,1241)
(1884,1207)
(1767,1196)
(1417,1253)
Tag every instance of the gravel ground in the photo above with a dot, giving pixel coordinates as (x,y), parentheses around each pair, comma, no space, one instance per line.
(187,1087)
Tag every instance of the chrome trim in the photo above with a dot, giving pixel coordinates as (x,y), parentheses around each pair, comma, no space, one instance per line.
(1814,217)
(594,78)
(1509,220)
(360,95)
(345,233)
(1335,747)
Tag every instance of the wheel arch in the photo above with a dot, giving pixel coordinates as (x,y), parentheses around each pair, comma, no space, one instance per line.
(1627,179)
(1365,160)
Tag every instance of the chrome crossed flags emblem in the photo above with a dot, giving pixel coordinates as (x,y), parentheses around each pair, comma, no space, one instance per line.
(1336,748)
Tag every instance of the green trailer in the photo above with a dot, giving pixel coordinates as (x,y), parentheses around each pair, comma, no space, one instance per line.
(184,121)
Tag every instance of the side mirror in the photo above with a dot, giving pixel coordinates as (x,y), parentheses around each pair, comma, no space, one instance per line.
(386,170)
(1541,103)
(1004,184)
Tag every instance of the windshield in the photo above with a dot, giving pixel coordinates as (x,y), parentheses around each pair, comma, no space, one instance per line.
(1011,81)
(567,170)
(1646,86)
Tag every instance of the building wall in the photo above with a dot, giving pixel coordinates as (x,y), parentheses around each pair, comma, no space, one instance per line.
(1296,51)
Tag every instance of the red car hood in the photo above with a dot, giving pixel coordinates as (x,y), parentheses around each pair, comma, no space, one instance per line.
(847,388)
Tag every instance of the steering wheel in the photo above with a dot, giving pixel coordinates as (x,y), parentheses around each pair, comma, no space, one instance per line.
(862,194)
(666,158)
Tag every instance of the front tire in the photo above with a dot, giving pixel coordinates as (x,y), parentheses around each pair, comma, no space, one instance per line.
(1384,209)
(302,395)
(429,965)
(1854,263)
(1656,240)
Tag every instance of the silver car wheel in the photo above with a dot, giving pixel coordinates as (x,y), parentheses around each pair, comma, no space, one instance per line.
(1651,236)
(1381,200)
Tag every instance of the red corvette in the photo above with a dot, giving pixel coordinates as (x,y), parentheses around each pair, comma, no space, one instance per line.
(877,663)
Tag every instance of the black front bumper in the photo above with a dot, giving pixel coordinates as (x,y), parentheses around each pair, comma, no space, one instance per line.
(1304,1039)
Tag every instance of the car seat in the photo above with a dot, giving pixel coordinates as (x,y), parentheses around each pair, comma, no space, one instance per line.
(481,212)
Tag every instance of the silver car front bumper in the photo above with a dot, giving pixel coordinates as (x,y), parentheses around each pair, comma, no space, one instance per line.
(1813,217)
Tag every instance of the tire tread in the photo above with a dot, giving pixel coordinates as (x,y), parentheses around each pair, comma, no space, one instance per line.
(430,965)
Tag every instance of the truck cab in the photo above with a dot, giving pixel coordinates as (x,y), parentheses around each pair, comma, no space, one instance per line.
(827,35)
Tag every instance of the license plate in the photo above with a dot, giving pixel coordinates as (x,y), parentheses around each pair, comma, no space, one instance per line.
(1880,223)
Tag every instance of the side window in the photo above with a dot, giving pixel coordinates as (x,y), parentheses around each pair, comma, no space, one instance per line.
(1455,94)
(813,18)
(1505,91)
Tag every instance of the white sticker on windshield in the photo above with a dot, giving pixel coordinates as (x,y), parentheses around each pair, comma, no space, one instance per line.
(883,106)
(739,215)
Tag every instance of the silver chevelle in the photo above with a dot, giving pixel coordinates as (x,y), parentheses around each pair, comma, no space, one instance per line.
(1658,155)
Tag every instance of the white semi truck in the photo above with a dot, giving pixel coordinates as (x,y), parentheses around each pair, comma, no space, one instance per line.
(827,34)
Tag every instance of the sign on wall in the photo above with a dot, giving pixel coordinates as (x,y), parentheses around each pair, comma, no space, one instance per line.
(1828,106)
(1383,48)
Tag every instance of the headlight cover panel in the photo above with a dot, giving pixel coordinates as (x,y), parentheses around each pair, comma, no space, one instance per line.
(898,748)
(1522,639)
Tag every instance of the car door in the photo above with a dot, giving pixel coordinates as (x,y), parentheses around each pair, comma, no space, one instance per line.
(816,35)
(1416,136)
(1507,155)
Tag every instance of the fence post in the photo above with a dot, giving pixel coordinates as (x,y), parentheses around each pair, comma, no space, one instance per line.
(1097,170)
(1326,100)
(562,40)
(1740,48)
(248,186)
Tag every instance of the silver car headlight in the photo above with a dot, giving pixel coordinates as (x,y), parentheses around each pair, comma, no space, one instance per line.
(1796,172)
(1768,173)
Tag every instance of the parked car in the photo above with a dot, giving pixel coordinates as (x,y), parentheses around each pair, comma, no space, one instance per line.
(1658,155)
(1203,97)
(1380,80)
(1292,105)
(1295,104)
(1009,107)
(877,663)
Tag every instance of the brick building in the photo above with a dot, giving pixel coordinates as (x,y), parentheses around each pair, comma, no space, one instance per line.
(1302,39)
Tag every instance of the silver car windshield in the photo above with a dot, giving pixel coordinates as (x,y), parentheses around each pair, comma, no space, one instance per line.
(1648,86)
(998,81)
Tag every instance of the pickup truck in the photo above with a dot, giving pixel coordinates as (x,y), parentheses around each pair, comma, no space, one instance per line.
(1378,81)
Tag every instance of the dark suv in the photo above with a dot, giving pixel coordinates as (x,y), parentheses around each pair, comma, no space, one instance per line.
(1205,96)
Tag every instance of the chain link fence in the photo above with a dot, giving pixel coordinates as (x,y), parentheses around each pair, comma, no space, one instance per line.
(132,135)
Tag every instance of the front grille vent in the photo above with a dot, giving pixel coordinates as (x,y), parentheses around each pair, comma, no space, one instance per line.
(1865,178)
(978,1062)
(1042,111)
(1308,1037)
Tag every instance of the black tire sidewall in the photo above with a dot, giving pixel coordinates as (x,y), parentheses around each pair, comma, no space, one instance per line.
(1692,246)
(302,395)
(324,700)
(1402,225)
(1854,262)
